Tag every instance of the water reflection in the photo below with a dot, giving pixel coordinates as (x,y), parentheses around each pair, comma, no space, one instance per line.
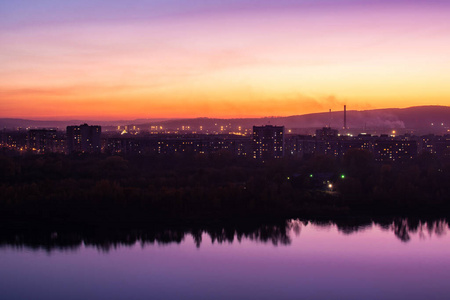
(276,233)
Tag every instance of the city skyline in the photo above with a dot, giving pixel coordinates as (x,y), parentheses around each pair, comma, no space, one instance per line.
(179,59)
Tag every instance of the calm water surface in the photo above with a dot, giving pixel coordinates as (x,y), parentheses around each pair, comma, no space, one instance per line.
(306,261)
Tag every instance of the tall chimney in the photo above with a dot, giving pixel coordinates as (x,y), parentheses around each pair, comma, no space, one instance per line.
(345,116)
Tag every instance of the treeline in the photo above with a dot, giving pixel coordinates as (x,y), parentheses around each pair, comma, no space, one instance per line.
(421,185)
(98,188)
(106,238)
(113,188)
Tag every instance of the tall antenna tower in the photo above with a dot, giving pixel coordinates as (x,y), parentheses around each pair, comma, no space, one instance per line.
(345,116)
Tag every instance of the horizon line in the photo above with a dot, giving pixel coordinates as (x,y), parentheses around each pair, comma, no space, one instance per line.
(84,119)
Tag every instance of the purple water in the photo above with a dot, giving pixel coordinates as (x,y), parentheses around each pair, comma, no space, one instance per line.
(321,262)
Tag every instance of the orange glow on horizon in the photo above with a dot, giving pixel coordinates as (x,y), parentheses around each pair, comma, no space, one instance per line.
(227,66)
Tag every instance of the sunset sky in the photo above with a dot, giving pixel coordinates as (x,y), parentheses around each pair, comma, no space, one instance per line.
(210,58)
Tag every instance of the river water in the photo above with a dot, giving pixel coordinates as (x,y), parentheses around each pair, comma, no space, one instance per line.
(301,260)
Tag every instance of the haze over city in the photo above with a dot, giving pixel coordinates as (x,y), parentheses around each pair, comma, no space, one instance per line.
(182,59)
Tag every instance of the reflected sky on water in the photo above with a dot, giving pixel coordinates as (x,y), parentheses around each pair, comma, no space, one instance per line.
(301,260)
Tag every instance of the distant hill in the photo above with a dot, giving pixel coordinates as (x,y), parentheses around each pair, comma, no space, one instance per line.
(420,118)
(26,123)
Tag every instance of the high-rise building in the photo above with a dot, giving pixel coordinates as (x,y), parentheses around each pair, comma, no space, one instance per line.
(268,142)
(83,138)
(394,150)
(45,141)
